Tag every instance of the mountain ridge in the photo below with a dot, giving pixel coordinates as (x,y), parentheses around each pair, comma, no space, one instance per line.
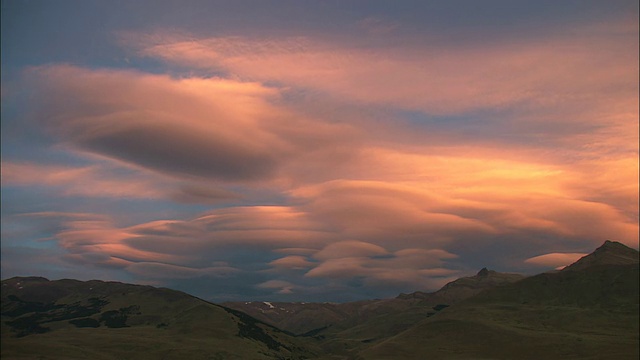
(588,310)
(609,253)
(80,319)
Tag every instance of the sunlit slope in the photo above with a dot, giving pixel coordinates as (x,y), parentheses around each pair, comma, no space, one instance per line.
(584,312)
(69,319)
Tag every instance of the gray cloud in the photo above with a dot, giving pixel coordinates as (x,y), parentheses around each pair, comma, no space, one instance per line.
(183,152)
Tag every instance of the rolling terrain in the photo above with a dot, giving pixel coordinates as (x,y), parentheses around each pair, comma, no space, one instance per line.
(70,319)
(588,310)
(301,318)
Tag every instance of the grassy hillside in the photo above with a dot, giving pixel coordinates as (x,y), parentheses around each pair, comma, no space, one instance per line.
(585,312)
(69,319)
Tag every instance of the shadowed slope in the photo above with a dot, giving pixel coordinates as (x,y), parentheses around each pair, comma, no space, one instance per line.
(70,319)
(610,253)
(466,287)
(301,318)
(585,312)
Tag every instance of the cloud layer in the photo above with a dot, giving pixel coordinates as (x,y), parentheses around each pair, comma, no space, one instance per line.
(308,165)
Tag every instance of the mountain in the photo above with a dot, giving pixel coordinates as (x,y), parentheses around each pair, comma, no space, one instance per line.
(610,253)
(466,287)
(344,329)
(301,318)
(70,319)
(587,311)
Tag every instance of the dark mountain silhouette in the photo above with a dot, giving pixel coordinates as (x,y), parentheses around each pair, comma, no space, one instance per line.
(610,253)
(465,287)
(589,310)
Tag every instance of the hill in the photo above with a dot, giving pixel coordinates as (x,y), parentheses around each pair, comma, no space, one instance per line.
(344,329)
(610,253)
(301,318)
(70,319)
(589,310)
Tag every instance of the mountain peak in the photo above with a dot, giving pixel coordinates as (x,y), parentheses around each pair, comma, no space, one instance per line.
(609,245)
(609,253)
(483,272)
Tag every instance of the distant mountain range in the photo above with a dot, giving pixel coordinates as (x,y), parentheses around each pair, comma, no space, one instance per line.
(588,310)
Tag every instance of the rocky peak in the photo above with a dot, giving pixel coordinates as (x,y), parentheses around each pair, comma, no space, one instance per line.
(484,272)
(609,253)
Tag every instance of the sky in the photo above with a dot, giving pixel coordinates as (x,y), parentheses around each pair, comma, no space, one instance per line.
(315,150)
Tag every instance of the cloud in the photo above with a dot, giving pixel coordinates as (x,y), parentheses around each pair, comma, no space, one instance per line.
(412,267)
(555,260)
(195,128)
(351,248)
(283,287)
(86,181)
(184,127)
(396,215)
(191,193)
(152,270)
(436,79)
(191,244)
(330,166)
(293,262)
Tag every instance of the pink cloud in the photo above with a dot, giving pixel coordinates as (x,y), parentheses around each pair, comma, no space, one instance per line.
(189,242)
(293,262)
(360,199)
(555,260)
(434,79)
(349,248)
(189,128)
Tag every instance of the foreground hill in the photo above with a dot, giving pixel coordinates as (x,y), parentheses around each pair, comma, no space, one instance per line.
(589,310)
(70,319)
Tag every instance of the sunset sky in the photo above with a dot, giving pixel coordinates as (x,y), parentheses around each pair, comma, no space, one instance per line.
(315,150)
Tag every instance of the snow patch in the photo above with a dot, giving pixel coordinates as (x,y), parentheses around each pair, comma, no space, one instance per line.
(268,304)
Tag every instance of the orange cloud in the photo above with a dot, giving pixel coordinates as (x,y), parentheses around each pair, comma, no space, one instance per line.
(506,141)
(190,128)
(434,79)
